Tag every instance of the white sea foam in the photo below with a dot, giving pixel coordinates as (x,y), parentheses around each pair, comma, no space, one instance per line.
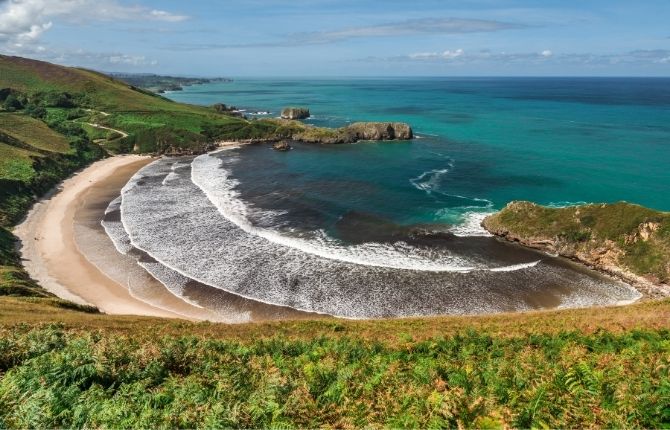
(471,225)
(209,175)
(115,230)
(429,180)
(177,225)
(515,267)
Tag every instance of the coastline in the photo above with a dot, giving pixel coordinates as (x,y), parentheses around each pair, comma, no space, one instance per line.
(601,258)
(51,256)
(67,251)
(65,248)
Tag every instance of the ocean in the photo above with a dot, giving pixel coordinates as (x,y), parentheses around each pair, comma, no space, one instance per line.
(392,228)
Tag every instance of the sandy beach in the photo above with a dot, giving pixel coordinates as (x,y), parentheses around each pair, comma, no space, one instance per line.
(66,250)
(52,257)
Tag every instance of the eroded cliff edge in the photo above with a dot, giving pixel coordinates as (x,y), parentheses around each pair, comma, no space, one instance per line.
(625,240)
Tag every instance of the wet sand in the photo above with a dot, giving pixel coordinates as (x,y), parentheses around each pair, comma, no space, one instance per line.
(67,251)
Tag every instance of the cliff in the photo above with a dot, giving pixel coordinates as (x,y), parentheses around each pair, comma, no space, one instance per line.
(622,239)
(355,132)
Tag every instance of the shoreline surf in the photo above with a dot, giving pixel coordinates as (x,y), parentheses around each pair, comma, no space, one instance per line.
(82,253)
(184,223)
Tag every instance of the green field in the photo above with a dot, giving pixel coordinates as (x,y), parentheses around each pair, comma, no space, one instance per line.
(33,132)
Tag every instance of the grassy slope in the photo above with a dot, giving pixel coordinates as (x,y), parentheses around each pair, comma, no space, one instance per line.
(557,369)
(138,112)
(155,124)
(635,237)
(33,132)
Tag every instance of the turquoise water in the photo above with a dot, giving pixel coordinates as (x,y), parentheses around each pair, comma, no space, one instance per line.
(482,143)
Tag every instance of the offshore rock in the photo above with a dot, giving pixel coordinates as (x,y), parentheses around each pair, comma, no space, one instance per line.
(354,132)
(380,131)
(281,146)
(295,113)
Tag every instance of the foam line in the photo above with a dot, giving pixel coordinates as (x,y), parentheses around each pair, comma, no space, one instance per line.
(208,174)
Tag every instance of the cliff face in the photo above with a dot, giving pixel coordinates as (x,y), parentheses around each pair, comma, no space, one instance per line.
(623,239)
(380,131)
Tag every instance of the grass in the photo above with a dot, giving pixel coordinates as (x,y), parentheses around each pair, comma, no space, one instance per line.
(33,133)
(640,236)
(16,163)
(546,369)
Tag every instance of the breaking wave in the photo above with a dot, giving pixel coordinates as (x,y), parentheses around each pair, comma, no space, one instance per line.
(195,226)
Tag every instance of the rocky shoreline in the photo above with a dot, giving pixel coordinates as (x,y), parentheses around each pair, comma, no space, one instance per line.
(526,223)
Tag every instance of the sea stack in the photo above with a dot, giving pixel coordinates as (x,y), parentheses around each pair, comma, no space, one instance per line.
(295,113)
(281,146)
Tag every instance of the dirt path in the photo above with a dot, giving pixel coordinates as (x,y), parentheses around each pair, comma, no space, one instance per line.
(94,125)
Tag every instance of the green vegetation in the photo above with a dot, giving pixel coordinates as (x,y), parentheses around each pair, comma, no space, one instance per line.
(33,158)
(66,97)
(632,236)
(552,369)
(35,134)
(65,365)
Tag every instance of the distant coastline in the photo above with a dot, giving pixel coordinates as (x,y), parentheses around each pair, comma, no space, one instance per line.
(160,84)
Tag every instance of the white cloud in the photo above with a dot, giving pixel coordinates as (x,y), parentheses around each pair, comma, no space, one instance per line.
(131,60)
(24,21)
(106,61)
(161,15)
(485,56)
(408,28)
(446,55)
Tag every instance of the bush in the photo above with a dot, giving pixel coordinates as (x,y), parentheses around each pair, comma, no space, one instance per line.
(12,103)
(55,378)
(36,111)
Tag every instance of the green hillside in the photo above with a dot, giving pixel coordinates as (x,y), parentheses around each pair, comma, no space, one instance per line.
(34,133)
(63,365)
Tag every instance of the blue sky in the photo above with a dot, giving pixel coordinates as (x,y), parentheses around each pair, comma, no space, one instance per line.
(344,37)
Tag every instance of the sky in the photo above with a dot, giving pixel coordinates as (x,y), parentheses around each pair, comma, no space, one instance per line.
(302,38)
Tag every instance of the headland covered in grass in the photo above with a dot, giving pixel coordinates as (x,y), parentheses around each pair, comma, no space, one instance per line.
(627,240)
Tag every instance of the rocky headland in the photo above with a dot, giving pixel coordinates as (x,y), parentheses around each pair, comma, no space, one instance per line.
(355,132)
(627,241)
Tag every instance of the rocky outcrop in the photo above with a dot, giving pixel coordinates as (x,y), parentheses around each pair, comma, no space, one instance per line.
(295,113)
(354,133)
(281,146)
(621,239)
(380,131)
